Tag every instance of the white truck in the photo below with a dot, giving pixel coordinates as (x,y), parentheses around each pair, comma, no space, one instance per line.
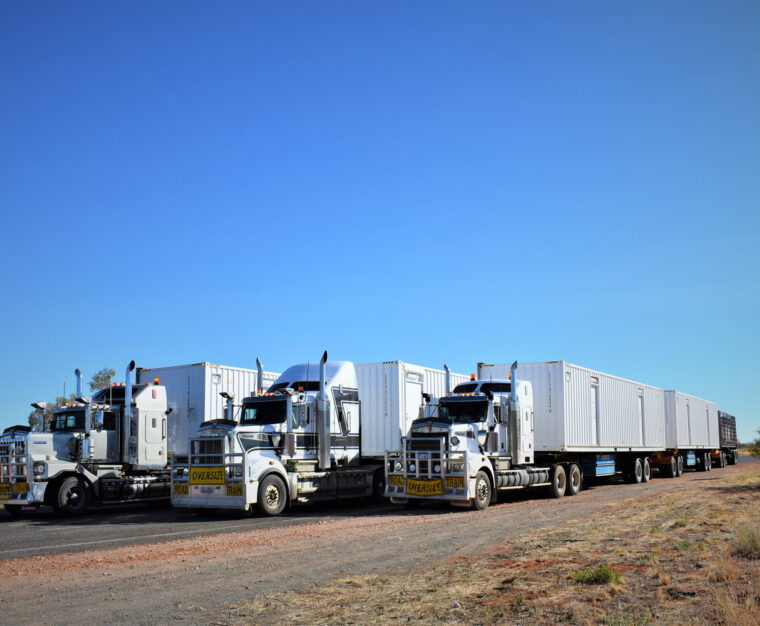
(96,452)
(536,425)
(318,433)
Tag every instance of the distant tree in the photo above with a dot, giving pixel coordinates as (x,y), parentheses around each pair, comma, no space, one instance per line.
(99,380)
(102,379)
(754,447)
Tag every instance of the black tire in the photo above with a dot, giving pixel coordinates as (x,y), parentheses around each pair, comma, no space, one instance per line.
(574,480)
(646,470)
(73,497)
(680,466)
(672,470)
(707,462)
(734,457)
(273,495)
(722,460)
(14,510)
(482,497)
(559,482)
(413,503)
(378,486)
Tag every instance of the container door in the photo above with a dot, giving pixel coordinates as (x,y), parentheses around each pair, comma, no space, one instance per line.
(413,401)
(594,409)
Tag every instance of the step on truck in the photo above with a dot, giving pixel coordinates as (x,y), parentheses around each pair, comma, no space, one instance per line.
(533,425)
(94,451)
(319,433)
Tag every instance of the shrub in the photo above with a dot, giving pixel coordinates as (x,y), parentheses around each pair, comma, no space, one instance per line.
(600,575)
(747,541)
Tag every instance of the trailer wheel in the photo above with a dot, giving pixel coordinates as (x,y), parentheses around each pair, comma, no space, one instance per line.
(272,495)
(482,491)
(378,485)
(636,473)
(73,496)
(559,482)
(672,470)
(721,460)
(680,466)
(734,457)
(574,480)
(646,471)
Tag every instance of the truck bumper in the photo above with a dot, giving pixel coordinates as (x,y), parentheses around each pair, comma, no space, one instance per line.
(417,479)
(23,494)
(227,496)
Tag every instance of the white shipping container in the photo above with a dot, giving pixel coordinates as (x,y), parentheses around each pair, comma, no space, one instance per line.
(192,391)
(581,410)
(690,422)
(391,397)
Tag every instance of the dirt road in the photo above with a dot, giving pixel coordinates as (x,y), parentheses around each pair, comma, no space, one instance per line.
(199,579)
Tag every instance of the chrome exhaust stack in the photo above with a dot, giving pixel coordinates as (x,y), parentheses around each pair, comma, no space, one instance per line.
(78,374)
(128,395)
(259,377)
(323,418)
(448,378)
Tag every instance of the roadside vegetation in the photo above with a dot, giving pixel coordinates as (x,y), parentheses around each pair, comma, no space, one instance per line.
(691,556)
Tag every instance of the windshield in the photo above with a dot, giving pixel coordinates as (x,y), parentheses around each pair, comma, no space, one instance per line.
(463,412)
(68,421)
(264,412)
(300,385)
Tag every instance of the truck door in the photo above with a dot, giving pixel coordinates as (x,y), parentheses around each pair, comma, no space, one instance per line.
(153,427)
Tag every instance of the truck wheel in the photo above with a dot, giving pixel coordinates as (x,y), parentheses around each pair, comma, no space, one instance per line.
(482,491)
(680,466)
(73,496)
(734,457)
(559,482)
(574,480)
(272,495)
(647,471)
(637,472)
(378,486)
(722,460)
(672,470)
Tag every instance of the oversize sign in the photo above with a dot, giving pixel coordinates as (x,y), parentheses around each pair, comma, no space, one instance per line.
(207,475)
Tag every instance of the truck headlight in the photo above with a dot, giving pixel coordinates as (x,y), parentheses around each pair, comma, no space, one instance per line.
(455,441)
(437,468)
(39,468)
(412,467)
(238,471)
(398,466)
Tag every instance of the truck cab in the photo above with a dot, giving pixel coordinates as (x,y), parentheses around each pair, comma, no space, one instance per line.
(91,451)
(298,441)
(479,440)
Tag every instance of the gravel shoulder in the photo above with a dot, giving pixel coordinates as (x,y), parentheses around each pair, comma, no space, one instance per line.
(200,579)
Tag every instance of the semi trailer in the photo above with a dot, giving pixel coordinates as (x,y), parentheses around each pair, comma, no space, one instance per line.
(728,454)
(533,425)
(319,433)
(114,446)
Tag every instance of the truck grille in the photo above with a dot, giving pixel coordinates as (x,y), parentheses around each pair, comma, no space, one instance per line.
(207,451)
(426,443)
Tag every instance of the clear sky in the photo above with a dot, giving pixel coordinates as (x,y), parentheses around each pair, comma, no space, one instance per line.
(431,182)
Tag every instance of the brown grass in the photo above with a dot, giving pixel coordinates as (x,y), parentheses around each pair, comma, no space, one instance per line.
(700,566)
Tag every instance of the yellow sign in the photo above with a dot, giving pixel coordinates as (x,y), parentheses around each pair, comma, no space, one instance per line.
(206,475)
(395,480)
(416,487)
(235,490)
(5,490)
(181,490)
(455,482)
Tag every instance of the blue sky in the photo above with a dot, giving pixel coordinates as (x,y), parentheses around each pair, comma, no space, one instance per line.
(430,182)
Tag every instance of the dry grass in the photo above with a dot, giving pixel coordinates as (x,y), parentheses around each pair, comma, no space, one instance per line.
(676,558)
